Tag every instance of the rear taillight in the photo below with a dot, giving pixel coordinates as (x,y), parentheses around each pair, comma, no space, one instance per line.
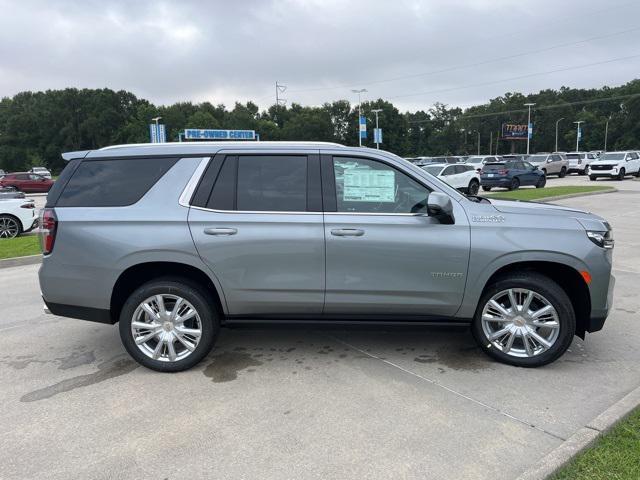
(503,172)
(28,205)
(48,227)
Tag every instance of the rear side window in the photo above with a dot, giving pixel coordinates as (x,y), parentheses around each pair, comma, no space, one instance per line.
(272,183)
(113,183)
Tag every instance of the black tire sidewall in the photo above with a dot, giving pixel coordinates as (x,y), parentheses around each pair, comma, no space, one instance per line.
(546,287)
(473,184)
(193,294)
(515,184)
(18,223)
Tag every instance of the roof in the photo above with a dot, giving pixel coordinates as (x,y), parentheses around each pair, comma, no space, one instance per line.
(195,148)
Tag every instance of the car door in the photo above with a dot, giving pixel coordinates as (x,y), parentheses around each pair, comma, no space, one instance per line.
(257,223)
(530,176)
(385,255)
(37,183)
(22,181)
(633,162)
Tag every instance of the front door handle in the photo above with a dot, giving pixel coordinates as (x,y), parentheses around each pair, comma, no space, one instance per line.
(220,231)
(347,232)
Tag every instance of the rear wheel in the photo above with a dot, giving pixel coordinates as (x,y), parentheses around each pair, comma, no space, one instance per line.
(621,174)
(563,172)
(541,182)
(486,189)
(169,324)
(638,173)
(524,319)
(582,172)
(473,187)
(593,178)
(9,226)
(515,184)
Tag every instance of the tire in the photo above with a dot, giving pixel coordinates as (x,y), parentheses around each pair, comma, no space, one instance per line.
(638,173)
(544,170)
(541,182)
(206,320)
(563,172)
(515,184)
(473,187)
(486,189)
(593,178)
(518,354)
(10,226)
(582,172)
(621,174)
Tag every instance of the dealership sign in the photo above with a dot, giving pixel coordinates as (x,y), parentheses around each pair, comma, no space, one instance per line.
(512,131)
(209,134)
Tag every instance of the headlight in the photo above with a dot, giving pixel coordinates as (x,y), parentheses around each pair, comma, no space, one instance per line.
(601,239)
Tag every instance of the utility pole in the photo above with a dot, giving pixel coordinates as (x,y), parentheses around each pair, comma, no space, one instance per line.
(478,132)
(464,132)
(557,122)
(377,111)
(490,141)
(578,134)
(497,141)
(529,126)
(359,92)
(606,132)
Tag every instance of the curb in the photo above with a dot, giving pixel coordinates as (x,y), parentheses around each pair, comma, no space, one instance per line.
(583,438)
(20,261)
(574,195)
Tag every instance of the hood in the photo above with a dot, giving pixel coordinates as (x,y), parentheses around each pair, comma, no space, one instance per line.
(606,162)
(518,206)
(588,220)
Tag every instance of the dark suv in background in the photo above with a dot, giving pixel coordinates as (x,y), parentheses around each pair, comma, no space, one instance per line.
(511,174)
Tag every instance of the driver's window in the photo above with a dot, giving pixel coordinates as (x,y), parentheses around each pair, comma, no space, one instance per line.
(368,186)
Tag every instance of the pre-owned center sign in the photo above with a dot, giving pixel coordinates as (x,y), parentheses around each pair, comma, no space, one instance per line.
(513,131)
(211,134)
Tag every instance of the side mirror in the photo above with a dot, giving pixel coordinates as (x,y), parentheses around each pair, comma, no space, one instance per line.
(439,206)
(534,167)
(550,160)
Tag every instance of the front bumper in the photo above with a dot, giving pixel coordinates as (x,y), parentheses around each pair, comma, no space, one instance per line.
(598,316)
(33,225)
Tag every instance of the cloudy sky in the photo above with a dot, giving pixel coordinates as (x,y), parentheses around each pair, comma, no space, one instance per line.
(413,53)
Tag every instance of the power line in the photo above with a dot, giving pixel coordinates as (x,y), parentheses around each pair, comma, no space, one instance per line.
(519,77)
(469,65)
(543,107)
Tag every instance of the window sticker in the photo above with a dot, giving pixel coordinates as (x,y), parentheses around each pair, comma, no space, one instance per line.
(366,185)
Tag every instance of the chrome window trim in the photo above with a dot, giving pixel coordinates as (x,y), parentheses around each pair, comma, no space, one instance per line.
(190,188)
(260,212)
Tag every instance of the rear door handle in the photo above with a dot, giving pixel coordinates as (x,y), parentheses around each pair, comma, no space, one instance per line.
(347,232)
(220,231)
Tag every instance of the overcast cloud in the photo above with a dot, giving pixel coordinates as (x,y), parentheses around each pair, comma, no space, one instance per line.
(413,53)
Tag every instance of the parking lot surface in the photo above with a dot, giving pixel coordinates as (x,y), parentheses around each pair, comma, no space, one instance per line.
(295,402)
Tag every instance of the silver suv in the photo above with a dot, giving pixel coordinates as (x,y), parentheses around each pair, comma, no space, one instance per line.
(550,163)
(174,241)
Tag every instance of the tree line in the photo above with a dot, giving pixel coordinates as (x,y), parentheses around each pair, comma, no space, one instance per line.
(35,127)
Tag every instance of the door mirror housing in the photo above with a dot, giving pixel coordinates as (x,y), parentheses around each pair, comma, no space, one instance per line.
(440,207)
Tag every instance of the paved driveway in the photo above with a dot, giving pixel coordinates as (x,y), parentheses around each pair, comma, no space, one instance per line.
(300,403)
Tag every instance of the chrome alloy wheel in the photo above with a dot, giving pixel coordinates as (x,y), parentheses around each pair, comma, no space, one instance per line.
(520,322)
(8,227)
(166,328)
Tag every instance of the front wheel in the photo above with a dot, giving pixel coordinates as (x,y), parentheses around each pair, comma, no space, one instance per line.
(473,187)
(593,178)
(541,182)
(638,173)
(563,172)
(622,174)
(515,184)
(486,189)
(524,319)
(169,324)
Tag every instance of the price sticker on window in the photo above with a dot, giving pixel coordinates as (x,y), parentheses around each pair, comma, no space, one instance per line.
(366,185)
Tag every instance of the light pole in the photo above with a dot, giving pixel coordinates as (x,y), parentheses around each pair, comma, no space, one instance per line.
(377,111)
(557,122)
(478,132)
(578,134)
(155,119)
(359,92)
(606,132)
(529,127)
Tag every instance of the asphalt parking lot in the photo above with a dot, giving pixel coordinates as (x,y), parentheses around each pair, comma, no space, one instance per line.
(306,403)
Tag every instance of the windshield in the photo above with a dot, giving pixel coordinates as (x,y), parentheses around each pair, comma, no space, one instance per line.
(536,158)
(433,169)
(475,159)
(612,156)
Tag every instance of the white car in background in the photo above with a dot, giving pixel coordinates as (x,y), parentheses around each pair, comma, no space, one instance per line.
(17,216)
(42,171)
(578,161)
(615,165)
(479,160)
(462,176)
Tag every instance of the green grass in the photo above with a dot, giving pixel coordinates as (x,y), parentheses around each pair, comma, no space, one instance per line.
(538,193)
(616,456)
(19,246)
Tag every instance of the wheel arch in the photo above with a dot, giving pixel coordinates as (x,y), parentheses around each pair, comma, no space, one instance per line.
(140,273)
(566,276)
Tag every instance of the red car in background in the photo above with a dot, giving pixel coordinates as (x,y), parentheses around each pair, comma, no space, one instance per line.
(26,182)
